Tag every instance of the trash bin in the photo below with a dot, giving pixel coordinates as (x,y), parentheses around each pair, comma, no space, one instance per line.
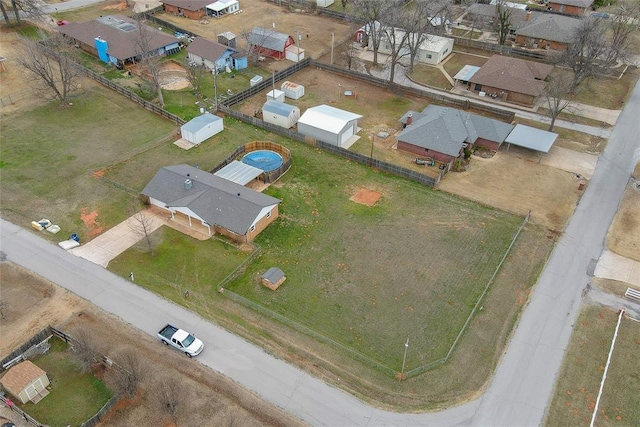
(75,237)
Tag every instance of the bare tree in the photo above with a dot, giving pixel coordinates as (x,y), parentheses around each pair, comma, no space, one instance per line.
(130,371)
(373,12)
(148,55)
(170,397)
(195,75)
(86,349)
(620,30)
(142,225)
(555,95)
(52,59)
(588,50)
(417,23)
(31,9)
(350,53)
(503,21)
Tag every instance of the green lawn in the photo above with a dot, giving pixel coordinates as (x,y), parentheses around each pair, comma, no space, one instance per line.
(81,395)
(579,380)
(48,155)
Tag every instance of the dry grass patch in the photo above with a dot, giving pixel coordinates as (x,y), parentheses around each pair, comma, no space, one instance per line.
(624,235)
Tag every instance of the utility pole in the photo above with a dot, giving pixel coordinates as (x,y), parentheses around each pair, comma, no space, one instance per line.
(215,85)
(404,359)
(333,35)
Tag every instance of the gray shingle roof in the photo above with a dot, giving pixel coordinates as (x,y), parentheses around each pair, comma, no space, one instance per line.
(214,199)
(513,75)
(445,129)
(549,26)
(121,34)
(267,38)
(207,49)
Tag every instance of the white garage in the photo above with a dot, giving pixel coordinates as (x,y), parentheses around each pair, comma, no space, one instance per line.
(331,125)
(201,128)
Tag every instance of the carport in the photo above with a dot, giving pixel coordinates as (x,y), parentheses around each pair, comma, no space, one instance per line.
(239,172)
(531,138)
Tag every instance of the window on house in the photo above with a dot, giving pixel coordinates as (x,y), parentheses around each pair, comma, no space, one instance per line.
(253,228)
(427,55)
(269,214)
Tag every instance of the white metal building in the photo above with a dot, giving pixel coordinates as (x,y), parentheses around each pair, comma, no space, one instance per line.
(330,125)
(280,114)
(292,90)
(201,128)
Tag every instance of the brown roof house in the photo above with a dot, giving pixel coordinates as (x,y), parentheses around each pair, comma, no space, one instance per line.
(210,203)
(547,31)
(570,7)
(115,39)
(443,133)
(510,79)
(196,9)
(26,382)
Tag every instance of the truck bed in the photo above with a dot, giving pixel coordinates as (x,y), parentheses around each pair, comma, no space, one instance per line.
(168,331)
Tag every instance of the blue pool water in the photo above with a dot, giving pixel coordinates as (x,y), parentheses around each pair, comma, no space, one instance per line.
(266,160)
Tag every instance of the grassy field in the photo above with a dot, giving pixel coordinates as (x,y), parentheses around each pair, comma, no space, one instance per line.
(579,380)
(48,155)
(430,76)
(82,395)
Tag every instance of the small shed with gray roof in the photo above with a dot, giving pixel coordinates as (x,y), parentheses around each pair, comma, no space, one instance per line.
(214,56)
(211,204)
(273,278)
(201,128)
(331,125)
(280,114)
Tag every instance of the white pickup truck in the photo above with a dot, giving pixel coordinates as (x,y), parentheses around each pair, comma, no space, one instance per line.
(182,340)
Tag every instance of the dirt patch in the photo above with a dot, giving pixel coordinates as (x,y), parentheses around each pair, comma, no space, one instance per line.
(173,76)
(366,197)
(515,182)
(118,6)
(212,399)
(90,220)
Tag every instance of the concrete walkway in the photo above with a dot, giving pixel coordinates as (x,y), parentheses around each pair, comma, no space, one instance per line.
(118,239)
(616,267)
(582,164)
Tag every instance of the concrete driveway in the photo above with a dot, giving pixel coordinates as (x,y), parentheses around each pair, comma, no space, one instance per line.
(616,267)
(571,161)
(118,239)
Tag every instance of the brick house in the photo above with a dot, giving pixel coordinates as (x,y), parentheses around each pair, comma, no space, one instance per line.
(192,9)
(570,7)
(547,31)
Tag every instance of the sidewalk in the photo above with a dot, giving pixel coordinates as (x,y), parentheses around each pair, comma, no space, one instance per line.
(615,267)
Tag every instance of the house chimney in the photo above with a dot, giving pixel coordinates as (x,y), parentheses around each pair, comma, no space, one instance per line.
(528,17)
(409,119)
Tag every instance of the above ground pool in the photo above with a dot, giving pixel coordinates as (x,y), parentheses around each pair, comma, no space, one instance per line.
(266,160)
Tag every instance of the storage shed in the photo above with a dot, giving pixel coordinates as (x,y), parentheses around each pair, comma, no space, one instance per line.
(280,114)
(324,3)
(26,382)
(294,53)
(330,125)
(275,95)
(201,128)
(273,278)
(255,80)
(292,90)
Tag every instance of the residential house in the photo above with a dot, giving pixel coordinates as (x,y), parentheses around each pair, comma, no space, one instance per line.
(570,7)
(547,31)
(192,9)
(211,204)
(270,43)
(510,79)
(432,50)
(443,133)
(116,39)
(215,56)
